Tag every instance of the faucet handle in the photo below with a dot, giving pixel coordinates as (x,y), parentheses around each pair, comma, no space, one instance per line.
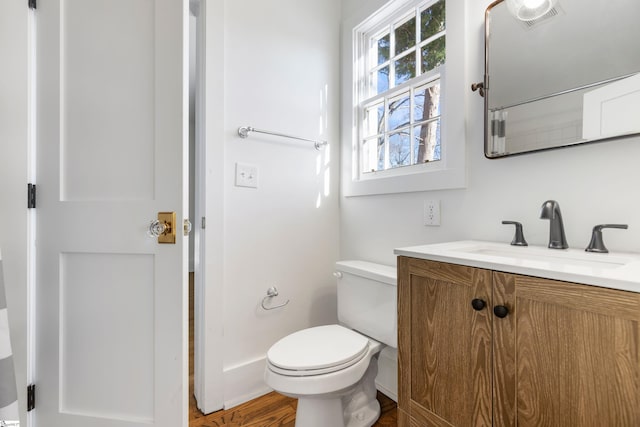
(518,238)
(597,243)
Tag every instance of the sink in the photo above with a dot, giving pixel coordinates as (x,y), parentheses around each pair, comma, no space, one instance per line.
(613,270)
(554,256)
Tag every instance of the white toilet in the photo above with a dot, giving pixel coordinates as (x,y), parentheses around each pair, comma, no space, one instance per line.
(331,369)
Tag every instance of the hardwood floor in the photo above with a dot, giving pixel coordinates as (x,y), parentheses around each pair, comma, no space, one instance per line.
(271,410)
(274,410)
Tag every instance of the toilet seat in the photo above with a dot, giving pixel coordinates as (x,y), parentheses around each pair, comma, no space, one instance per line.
(317,351)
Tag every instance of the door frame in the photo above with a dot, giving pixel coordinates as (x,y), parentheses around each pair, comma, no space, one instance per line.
(209,207)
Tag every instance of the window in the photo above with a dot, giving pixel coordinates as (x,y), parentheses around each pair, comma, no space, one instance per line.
(400,100)
(403,122)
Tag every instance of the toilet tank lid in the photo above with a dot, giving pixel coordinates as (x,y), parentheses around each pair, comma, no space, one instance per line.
(370,270)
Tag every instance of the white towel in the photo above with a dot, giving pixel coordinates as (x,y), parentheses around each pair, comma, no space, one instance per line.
(8,392)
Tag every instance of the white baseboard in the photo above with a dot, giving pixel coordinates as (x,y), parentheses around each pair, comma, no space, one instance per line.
(244,382)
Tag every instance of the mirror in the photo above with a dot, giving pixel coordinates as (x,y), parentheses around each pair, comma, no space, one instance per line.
(569,77)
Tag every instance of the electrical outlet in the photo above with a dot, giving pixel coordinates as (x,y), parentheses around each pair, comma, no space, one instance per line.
(246,175)
(432,212)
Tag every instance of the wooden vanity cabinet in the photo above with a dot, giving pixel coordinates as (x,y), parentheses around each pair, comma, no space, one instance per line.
(564,354)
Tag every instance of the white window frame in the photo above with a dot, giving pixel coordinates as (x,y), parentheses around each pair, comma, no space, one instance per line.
(446,173)
(367,47)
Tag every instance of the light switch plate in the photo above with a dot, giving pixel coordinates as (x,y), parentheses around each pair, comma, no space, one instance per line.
(246,175)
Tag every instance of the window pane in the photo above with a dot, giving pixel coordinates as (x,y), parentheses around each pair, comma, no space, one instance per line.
(405,36)
(399,111)
(373,154)
(433,54)
(384,44)
(380,80)
(400,149)
(426,102)
(380,154)
(432,20)
(405,68)
(426,144)
(374,120)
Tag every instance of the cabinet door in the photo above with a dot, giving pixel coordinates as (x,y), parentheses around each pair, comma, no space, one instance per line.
(566,355)
(444,345)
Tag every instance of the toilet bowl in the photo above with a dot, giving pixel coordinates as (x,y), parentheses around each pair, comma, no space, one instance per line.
(331,369)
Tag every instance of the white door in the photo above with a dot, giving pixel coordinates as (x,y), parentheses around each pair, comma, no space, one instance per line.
(111,302)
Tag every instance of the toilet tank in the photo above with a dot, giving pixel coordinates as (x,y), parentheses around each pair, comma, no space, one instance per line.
(367,299)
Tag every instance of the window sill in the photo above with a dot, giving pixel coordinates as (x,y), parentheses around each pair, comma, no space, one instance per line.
(430,180)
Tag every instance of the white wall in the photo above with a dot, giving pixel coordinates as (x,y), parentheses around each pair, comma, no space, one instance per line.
(14,178)
(594,183)
(281,73)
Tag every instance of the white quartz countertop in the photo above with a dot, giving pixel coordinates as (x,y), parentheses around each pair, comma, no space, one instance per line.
(613,270)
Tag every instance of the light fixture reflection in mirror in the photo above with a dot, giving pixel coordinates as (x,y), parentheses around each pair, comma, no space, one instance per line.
(529,10)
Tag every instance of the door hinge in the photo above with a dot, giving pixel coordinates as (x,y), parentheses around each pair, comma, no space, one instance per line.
(31,397)
(31,196)
(204,223)
(32,4)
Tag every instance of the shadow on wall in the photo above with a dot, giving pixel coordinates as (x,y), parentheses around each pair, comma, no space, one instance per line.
(324,306)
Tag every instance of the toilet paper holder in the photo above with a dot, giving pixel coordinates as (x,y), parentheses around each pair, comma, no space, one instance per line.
(272,292)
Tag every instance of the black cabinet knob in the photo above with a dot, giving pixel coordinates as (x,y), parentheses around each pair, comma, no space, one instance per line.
(501,311)
(478,304)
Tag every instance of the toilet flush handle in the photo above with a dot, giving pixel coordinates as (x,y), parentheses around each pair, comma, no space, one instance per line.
(337,274)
